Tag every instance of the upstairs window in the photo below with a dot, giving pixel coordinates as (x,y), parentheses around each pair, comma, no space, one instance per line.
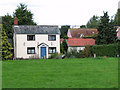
(31,50)
(31,37)
(52,50)
(51,37)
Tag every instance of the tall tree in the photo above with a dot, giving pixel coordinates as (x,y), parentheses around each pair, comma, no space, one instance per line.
(25,17)
(7,22)
(107,34)
(93,22)
(6,47)
(118,12)
(64,30)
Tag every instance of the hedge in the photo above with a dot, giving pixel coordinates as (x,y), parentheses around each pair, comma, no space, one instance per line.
(110,50)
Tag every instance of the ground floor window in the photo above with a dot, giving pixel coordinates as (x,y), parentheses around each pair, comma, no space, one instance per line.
(52,50)
(31,50)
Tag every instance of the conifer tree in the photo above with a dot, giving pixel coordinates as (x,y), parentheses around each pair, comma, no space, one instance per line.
(6,47)
(107,34)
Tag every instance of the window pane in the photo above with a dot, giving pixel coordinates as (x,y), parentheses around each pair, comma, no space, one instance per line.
(50,50)
(52,37)
(28,50)
(30,37)
(54,50)
(33,50)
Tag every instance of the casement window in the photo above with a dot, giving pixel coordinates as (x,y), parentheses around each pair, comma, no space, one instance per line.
(31,37)
(51,37)
(31,50)
(52,50)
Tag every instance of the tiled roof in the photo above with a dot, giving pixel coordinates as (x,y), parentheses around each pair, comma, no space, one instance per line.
(36,29)
(76,33)
(80,42)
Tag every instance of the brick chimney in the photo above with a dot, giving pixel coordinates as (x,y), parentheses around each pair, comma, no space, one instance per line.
(15,21)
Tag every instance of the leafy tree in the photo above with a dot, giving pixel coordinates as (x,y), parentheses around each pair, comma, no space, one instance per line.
(25,17)
(64,30)
(93,22)
(6,47)
(7,22)
(106,34)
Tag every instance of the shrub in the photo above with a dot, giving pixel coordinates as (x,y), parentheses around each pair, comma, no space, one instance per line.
(55,56)
(75,54)
(87,51)
(110,50)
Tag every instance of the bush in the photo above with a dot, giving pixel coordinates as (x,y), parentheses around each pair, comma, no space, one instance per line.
(110,50)
(75,54)
(87,51)
(55,56)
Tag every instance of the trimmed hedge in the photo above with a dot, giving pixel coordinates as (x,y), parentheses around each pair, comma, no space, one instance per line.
(110,50)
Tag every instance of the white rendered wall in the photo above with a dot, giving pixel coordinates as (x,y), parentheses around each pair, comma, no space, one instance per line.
(22,44)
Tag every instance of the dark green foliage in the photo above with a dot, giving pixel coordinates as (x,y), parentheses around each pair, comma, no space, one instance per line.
(115,20)
(6,47)
(83,26)
(94,36)
(7,22)
(118,17)
(65,46)
(64,30)
(25,17)
(107,34)
(87,51)
(65,37)
(110,50)
(93,22)
(61,48)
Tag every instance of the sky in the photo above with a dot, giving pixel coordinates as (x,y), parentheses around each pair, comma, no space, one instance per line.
(62,12)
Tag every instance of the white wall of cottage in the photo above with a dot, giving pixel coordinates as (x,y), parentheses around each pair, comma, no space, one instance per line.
(22,44)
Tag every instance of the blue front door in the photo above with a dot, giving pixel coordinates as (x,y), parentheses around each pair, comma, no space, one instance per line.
(43,52)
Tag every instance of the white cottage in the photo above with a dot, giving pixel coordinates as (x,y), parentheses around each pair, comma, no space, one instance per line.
(35,41)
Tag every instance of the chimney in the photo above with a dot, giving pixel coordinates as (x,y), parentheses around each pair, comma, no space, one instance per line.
(15,21)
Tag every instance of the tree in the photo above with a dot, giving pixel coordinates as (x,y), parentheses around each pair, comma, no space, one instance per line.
(6,47)
(7,22)
(93,22)
(65,46)
(118,12)
(107,34)
(64,30)
(83,26)
(25,17)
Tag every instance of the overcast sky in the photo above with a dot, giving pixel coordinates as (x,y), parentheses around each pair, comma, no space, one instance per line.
(61,12)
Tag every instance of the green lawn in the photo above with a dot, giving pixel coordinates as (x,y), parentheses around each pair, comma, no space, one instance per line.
(64,73)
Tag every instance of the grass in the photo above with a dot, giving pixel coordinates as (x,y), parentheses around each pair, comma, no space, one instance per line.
(66,73)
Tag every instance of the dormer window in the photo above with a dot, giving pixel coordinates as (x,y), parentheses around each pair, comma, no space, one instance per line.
(51,37)
(31,37)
